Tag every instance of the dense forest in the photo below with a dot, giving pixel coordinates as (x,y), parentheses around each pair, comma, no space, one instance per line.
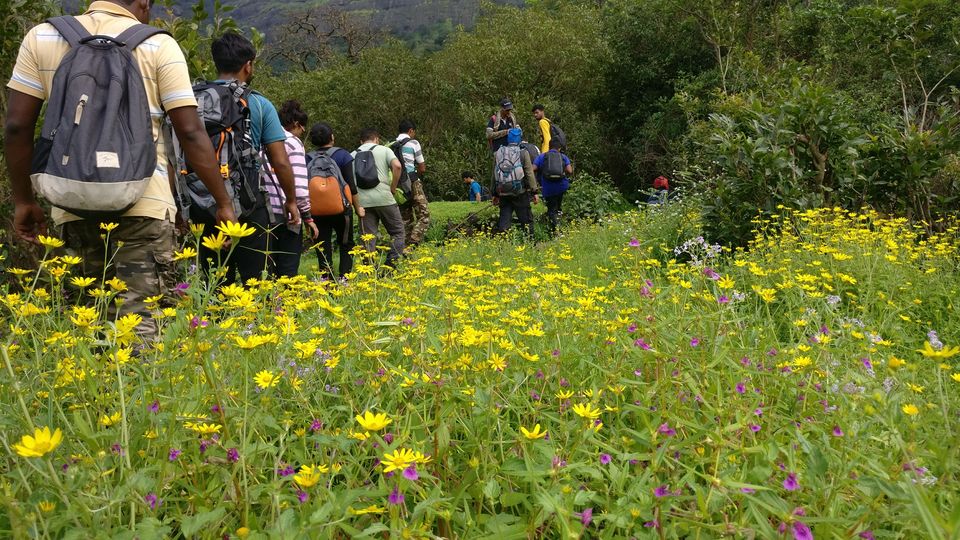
(748,105)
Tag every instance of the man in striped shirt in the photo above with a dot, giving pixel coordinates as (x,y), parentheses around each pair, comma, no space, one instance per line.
(287,242)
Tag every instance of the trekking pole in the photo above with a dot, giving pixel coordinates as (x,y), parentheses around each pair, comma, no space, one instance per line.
(469,217)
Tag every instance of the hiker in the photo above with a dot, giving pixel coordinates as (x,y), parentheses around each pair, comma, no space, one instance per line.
(660,192)
(475,193)
(514,184)
(333,221)
(531,149)
(500,124)
(140,247)
(415,212)
(377,173)
(286,241)
(233,56)
(553,169)
(548,131)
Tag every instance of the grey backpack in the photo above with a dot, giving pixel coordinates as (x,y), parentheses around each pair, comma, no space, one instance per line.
(96,153)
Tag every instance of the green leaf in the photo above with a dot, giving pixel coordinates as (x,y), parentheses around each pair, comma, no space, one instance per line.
(191,525)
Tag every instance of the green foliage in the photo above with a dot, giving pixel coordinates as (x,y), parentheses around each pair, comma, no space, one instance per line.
(195,34)
(592,197)
(452,93)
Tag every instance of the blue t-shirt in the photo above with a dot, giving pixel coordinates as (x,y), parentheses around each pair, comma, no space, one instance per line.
(265,127)
(550,188)
(474,191)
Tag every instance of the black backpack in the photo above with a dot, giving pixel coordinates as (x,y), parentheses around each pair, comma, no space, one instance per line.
(225,112)
(406,177)
(365,169)
(96,153)
(553,166)
(558,135)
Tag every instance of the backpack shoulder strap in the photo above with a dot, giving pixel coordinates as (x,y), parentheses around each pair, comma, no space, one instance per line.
(135,35)
(70,28)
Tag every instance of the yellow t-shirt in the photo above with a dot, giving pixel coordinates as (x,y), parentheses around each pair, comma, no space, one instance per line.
(165,77)
(545,134)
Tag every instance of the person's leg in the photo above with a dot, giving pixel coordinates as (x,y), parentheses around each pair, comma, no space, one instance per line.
(324,246)
(250,257)
(506,214)
(145,263)
(409,219)
(82,239)
(370,225)
(560,209)
(421,215)
(345,241)
(525,213)
(286,249)
(208,257)
(393,223)
(553,212)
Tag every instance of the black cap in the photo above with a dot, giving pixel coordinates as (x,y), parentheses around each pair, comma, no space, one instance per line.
(505,103)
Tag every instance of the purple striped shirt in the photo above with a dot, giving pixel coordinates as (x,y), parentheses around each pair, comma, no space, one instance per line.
(298,162)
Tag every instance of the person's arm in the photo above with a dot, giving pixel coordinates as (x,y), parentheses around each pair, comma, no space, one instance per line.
(568,169)
(531,178)
(418,158)
(545,135)
(280,163)
(493,133)
(395,169)
(23,111)
(298,161)
(199,153)
(477,195)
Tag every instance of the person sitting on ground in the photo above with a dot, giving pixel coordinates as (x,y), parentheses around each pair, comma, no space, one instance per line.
(286,242)
(475,193)
(322,137)
(553,169)
(661,189)
(514,184)
(378,200)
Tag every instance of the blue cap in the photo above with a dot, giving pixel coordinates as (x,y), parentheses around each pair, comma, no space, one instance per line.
(514,136)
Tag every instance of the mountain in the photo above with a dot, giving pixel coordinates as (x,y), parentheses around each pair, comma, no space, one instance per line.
(403,18)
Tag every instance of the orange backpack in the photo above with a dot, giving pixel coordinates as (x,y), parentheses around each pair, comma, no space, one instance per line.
(329,193)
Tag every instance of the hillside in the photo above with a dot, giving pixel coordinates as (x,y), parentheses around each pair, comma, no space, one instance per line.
(404,18)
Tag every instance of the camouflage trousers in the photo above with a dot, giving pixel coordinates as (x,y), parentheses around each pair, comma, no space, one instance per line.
(416,215)
(139,253)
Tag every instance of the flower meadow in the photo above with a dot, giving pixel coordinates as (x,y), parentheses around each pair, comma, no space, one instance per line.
(628,380)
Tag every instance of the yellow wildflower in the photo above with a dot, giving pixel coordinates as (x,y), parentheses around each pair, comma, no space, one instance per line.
(910,409)
(266,379)
(39,444)
(586,410)
(50,242)
(533,434)
(373,422)
(236,230)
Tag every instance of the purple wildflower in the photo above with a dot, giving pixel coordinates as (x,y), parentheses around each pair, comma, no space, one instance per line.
(652,524)
(632,328)
(174,454)
(801,531)
(741,388)
(395,497)
(711,273)
(233,455)
(634,242)
(694,342)
(286,471)
(586,517)
(867,535)
(790,482)
(642,344)
(665,429)
(755,428)
(837,432)
(410,473)
(154,407)
(316,425)
(723,299)
(661,491)
(151,500)
(605,459)
(181,288)
(748,491)
(302,496)
(388,438)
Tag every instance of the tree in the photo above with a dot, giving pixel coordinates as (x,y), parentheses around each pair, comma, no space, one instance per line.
(312,37)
